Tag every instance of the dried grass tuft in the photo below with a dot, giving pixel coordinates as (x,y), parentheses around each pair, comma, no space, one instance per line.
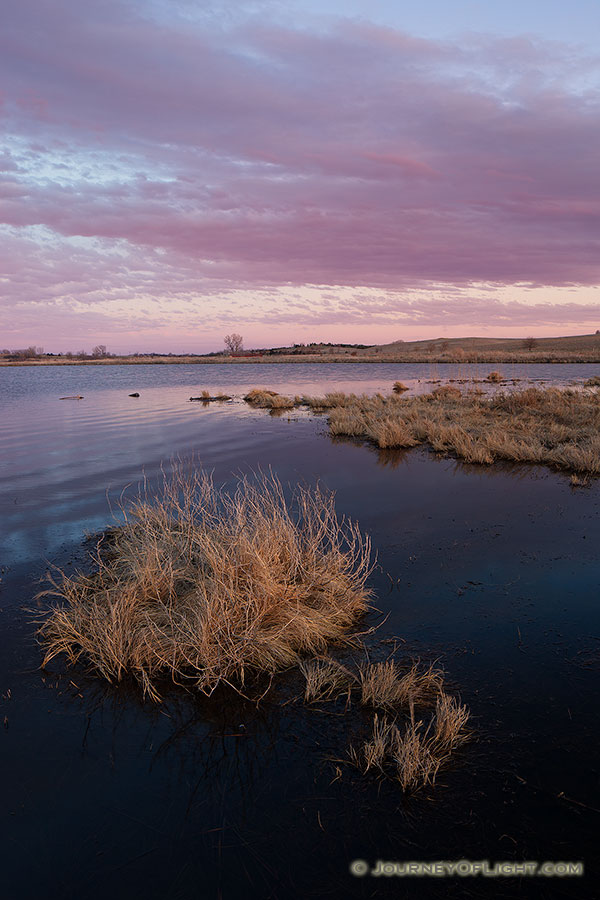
(263,399)
(205,586)
(385,685)
(326,679)
(413,755)
(450,724)
(373,753)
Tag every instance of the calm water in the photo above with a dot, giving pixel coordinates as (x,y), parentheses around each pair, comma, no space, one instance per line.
(21,383)
(494,572)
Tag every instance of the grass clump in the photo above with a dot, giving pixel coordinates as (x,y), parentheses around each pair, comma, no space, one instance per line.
(446,392)
(399,387)
(398,746)
(206,397)
(205,586)
(594,381)
(328,401)
(495,377)
(373,752)
(263,399)
(326,679)
(384,685)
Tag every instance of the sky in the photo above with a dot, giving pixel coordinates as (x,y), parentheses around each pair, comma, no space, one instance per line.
(297,170)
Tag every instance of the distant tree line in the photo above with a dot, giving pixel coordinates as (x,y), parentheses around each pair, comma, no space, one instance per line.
(98,352)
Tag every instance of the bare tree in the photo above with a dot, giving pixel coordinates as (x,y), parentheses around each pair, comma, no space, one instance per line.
(529,343)
(234,342)
(26,353)
(99,352)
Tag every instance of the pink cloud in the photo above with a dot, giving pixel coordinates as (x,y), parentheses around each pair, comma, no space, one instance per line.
(410,167)
(251,157)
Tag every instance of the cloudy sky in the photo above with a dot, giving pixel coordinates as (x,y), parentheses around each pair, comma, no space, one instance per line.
(297,170)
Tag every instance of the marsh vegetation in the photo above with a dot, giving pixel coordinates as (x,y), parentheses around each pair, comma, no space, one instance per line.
(559,428)
(206,586)
(211,588)
(552,426)
(416,724)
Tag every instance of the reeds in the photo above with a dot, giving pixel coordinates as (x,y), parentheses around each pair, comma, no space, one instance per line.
(205,586)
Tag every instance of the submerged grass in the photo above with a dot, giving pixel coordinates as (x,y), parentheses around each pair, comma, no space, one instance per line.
(413,753)
(397,746)
(205,586)
(384,685)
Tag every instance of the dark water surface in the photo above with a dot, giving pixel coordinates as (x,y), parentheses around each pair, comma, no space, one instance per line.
(492,571)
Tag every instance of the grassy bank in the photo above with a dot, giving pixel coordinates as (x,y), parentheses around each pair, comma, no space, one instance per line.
(484,358)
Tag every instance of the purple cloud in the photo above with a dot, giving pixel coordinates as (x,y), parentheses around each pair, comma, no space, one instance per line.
(249,157)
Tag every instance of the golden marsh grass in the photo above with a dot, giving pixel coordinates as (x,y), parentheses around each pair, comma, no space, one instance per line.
(264,399)
(206,586)
(555,427)
(384,685)
(398,745)
(413,752)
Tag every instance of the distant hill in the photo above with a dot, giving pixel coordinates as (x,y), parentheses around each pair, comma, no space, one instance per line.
(580,348)
(575,343)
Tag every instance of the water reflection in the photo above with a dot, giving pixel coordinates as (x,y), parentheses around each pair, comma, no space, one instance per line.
(494,570)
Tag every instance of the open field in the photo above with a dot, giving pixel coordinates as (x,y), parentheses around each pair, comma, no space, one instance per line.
(569,349)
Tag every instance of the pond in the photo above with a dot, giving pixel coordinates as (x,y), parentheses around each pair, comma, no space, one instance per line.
(491,571)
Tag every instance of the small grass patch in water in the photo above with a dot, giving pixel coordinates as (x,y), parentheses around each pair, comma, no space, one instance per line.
(412,752)
(263,399)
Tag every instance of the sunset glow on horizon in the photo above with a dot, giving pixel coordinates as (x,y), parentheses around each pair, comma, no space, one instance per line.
(169,174)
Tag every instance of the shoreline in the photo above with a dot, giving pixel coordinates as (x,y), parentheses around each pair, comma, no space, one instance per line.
(484,359)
